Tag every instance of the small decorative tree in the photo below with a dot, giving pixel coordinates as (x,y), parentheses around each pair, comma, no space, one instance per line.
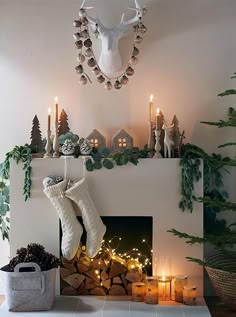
(63,123)
(221,267)
(36,136)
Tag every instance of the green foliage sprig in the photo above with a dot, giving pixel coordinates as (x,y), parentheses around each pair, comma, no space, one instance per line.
(20,154)
(103,158)
(4,208)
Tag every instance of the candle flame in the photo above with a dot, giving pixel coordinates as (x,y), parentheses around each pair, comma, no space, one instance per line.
(49,110)
(163,277)
(56,99)
(151,98)
(158,111)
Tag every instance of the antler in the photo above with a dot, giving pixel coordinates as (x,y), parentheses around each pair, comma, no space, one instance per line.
(94,22)
(135,19)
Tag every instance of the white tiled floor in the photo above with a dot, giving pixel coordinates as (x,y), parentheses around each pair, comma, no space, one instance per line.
(92,306)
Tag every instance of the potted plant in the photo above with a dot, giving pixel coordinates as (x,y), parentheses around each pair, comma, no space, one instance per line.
(29,279)
(221,265)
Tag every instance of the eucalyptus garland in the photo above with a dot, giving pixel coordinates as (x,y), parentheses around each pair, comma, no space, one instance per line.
(20,154)
(104,158)
(4,208)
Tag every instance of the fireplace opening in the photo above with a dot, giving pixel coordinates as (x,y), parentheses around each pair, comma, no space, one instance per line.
(125,257)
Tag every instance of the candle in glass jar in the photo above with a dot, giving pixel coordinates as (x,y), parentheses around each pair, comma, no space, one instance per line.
(180,282)
(190,295)
(49,119)
(138,292)
(151,290)
(56,110)
(164,287)
(151,108)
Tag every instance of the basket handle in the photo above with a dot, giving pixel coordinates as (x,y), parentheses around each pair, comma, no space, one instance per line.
(29,264)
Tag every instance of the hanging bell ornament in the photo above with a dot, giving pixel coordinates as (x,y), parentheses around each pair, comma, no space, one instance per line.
(77,36)
(79,44)
(124,80)
(79,69)
(81,58)
(96,71)
(83,80)
(91,62)
(88,43)
(129,71)
(133,60)
(101,79)
(138,39)
(85,34)
(96,32)
(136,28)
(143,28)
(82,13)
(84,21)
(77,23)
(88,52)
(117,84)
(144,11)
(108,85)
(135,51)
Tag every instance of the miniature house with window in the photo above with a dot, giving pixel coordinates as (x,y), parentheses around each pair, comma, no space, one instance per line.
(121,141)
(96,139)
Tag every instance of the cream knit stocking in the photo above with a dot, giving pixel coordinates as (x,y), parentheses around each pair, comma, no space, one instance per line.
(71,228)
(93,224)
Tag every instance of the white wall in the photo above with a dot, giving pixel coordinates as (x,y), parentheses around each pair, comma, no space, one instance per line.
(186,60)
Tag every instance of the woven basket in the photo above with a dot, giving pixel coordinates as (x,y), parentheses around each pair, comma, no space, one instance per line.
(224,278)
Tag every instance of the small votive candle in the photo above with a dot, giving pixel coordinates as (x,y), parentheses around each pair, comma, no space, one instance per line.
(138,292)
(190,295)
(180,282)
(151,290)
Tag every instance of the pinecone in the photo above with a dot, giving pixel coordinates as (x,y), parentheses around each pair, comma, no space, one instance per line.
(31,258)
(13,262)
(22,252)
(36,249)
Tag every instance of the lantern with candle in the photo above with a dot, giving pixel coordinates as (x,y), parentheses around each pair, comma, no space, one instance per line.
(180,282)
(151,290)
(190,295)
(138,292)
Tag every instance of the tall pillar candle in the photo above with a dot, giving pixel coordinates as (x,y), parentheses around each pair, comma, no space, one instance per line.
(56,111)
(158,120)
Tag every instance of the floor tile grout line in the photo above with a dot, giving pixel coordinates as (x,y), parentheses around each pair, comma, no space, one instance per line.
(129,308)
(183,312)
(103,306)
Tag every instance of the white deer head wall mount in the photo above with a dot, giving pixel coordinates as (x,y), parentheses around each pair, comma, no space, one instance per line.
(110,61)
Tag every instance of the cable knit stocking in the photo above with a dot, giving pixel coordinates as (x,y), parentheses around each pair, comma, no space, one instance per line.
(93,224)
(71,228)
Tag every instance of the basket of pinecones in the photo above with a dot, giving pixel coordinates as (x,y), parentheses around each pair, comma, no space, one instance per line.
(29,279)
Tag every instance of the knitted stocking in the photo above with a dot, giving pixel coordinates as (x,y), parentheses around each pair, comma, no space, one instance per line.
(93,224)
(71,228)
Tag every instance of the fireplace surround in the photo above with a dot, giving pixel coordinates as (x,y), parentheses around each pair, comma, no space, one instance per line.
(150,189)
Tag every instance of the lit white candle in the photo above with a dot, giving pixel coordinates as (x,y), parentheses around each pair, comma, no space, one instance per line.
(49,119)
(151,108)
(158,119)
(56,110)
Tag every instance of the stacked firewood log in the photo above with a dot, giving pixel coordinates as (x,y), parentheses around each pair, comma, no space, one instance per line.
(106,274)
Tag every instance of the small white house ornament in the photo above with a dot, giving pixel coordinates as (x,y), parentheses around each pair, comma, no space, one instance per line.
(96,139)
(121,141)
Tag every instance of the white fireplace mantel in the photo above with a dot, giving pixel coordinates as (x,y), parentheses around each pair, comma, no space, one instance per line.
(150,189)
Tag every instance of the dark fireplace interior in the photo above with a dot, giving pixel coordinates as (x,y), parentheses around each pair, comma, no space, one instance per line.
(125,257)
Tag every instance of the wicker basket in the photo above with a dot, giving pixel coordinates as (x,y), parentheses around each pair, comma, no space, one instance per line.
(223,281)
